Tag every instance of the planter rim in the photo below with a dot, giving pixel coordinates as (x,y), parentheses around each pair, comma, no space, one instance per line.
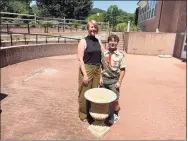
(94,96)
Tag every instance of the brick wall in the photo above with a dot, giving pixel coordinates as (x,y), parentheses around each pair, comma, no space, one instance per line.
(152,24)
(167,16)
(173,17)
(182,19)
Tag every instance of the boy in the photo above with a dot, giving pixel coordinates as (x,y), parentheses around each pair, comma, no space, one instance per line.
(113,71)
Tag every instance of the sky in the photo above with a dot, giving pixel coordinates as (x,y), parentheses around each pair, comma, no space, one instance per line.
(128,6)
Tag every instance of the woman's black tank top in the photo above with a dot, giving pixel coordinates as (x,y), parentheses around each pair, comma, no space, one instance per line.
(92,53)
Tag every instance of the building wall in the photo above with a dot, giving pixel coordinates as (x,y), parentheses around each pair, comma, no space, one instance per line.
(173,17)
(173,20)
(167,16)
(182,19)
(150,43)
(152,24)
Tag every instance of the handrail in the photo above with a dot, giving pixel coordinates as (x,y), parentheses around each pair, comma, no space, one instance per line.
(40,35)
(55,36)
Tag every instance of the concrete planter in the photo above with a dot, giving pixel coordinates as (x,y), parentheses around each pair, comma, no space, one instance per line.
(100,99)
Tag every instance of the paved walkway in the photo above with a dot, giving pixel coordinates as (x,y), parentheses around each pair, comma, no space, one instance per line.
(39,100)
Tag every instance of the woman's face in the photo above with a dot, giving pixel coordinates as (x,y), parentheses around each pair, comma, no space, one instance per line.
(92,30)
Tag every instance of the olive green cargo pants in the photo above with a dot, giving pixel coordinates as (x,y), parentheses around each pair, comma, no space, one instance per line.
(93,72)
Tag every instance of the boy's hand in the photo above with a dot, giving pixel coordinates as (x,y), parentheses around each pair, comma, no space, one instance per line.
(118,85)
(101,82)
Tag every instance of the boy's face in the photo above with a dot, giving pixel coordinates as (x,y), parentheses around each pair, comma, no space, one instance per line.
(112,44)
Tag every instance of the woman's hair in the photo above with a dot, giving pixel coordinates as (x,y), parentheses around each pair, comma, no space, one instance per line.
(94,23)
(113,37)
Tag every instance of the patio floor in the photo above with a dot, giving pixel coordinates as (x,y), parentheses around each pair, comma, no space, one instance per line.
(39,100)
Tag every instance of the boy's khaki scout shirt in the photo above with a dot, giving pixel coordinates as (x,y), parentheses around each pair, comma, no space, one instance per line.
(117,61)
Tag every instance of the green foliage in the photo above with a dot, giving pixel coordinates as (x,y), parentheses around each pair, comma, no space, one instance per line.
(121,27)
(134,28)
(16,6)
(65,8)
(47,24)
(18,22)
(95,11)
(98,18)
(3,5)
(32,24)
(36,10)
(83,27)
(76,24)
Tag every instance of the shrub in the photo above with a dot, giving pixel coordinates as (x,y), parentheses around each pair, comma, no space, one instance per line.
(121,27)
(83,27)
(47,24)
(32,24)
(76,24)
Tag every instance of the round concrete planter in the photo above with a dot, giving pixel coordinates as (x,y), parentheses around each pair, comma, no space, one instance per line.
(100,99)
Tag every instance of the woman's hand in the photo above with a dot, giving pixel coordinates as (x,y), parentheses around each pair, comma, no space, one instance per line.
(86,79)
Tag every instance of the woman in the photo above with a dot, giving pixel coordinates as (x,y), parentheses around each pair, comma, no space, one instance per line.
(89,56)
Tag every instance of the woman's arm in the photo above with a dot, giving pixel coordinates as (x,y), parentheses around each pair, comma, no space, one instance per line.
(81,48)
(102,47)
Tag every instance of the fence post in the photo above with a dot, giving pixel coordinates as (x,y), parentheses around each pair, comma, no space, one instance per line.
(58,27)
(35,20)
(64,24)
(108,28)
(36,39)
(25,39)
(7,28)
(28,28)
(47,28)
(58,39)
(11,39)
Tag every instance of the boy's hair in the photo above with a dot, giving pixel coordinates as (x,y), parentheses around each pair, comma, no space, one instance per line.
(113,37)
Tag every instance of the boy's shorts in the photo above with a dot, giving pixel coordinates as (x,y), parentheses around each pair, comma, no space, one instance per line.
(110,84)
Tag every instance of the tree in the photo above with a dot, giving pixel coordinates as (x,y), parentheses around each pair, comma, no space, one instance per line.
(82,8)
(95,11)
(78,9)
(16,6)
(36,10)
(96,17)
(3,5)
(111,15)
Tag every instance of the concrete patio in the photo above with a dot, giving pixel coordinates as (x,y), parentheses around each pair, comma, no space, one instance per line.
(39,100)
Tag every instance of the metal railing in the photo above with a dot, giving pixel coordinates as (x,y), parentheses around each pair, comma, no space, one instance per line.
(37,39)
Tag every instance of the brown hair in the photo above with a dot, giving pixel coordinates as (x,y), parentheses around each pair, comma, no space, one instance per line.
(94,23)
(113,37)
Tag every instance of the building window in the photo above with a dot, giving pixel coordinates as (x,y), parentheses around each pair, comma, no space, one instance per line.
(148,11)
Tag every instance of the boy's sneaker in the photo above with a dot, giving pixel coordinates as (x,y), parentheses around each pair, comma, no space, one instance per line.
(114,119)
